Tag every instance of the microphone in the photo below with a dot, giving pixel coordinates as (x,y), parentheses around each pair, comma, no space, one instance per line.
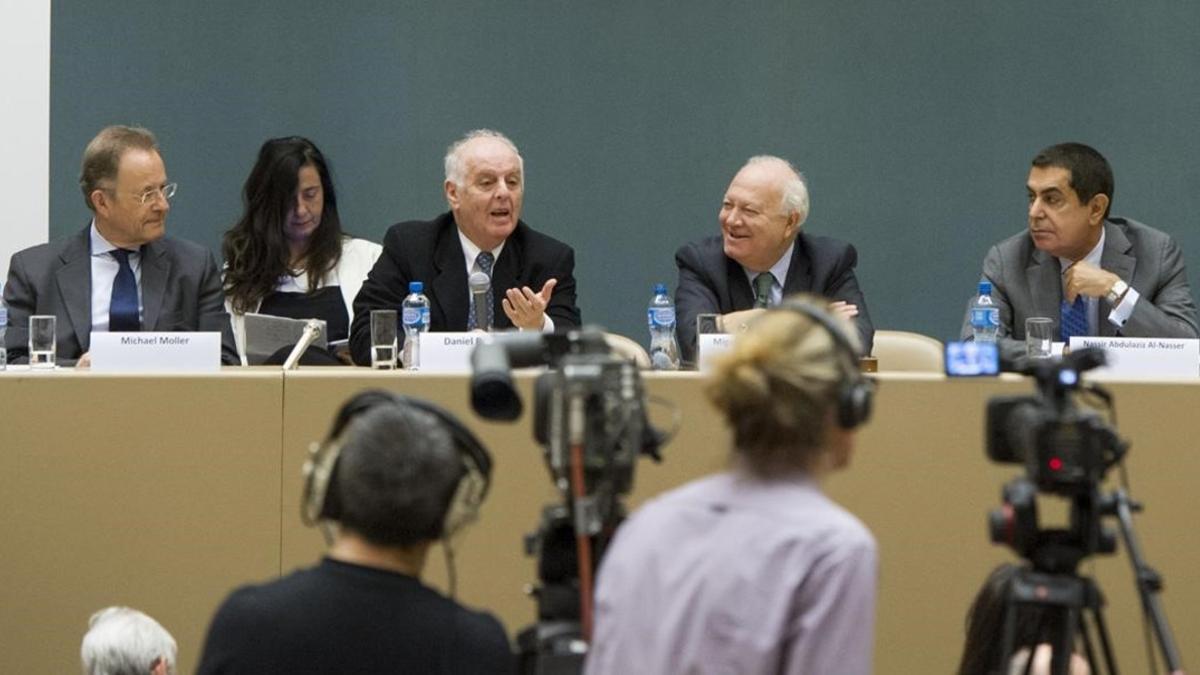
(312,331)
(481,298)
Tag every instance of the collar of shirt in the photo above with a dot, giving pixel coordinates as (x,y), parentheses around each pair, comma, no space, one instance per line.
(1093,304)
(104,272)
(778,272)
(471,251)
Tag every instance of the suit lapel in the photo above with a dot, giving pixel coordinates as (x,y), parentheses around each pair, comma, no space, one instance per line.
(1043,277)
(799,276)
(449,285)
(741,296)
(506,274)
(1118,259)
(74,279)
(156,269)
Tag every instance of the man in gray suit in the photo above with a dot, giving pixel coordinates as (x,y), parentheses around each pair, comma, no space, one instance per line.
(120,272)
(1091,273)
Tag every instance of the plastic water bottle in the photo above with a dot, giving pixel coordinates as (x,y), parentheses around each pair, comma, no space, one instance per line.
(3,327)
(985,315)
(664,350)
(415,317)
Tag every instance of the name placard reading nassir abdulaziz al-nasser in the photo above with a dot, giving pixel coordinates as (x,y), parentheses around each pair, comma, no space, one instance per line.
(1143,357)
(449,352)
(156,352)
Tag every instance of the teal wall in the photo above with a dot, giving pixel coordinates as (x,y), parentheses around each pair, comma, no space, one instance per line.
(913,121)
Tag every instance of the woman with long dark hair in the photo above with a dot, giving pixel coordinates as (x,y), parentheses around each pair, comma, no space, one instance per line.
(287,255)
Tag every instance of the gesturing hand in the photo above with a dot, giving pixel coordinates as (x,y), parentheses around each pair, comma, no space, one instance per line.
(527,309)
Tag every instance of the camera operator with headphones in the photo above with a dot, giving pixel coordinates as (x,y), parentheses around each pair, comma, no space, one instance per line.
(754,570)
(396,475)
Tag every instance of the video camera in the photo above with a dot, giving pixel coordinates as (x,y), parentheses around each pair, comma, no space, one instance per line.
(1065,450)
(590,418)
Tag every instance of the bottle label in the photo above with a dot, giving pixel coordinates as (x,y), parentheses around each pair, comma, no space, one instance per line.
(985,317)
(661,317)
(415,316)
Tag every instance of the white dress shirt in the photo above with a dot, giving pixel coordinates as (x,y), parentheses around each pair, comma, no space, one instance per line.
(104,273)
(471,252)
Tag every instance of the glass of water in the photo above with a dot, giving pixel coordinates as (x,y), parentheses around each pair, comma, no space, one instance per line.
(42,341)
(1039,335)
(383,338)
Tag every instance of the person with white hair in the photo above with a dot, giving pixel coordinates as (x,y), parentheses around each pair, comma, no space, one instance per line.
(532,275)
(761,255)
(124,641)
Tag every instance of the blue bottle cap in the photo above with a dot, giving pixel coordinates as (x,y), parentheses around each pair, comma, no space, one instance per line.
(660,289)
(985,288)
(416,287)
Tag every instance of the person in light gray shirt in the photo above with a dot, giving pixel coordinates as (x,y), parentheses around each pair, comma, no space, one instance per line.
(754,570)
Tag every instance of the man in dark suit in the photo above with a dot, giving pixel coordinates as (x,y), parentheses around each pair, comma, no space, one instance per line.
(761,256)
(532,274)
(1090,273)
(119,273)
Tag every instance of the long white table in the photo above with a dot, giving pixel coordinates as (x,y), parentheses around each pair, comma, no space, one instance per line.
(164,493)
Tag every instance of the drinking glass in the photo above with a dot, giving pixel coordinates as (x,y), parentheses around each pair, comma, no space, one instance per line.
(42,341)
(383,339)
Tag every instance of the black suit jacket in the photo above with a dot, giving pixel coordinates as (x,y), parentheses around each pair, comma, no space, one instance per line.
(430,252)
(181,291)
(712,283)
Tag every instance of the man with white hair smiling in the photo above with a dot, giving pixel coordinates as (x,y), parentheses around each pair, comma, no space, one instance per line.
(532,274)
(124,641)
(763,255)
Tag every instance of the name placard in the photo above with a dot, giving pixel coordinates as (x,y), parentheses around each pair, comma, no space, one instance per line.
(156,352)
(448,352)
(1142,357)
(709,345)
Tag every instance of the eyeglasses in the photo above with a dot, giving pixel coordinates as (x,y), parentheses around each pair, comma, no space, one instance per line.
(167,191)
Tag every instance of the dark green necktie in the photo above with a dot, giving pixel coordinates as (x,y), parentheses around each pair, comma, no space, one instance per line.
(762,290)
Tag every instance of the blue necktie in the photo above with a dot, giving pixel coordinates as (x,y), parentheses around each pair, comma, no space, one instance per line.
(123,307)
(484,260)
(1073,319)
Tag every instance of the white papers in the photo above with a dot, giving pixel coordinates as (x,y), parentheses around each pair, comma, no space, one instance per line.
(266,334)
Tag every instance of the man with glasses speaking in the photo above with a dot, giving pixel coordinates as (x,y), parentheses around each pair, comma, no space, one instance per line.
(119,273)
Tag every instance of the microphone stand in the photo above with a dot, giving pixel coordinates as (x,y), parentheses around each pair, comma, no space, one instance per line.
(312,331)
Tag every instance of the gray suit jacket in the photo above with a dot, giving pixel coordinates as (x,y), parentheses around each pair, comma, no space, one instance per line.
(1028,282)
(181,291)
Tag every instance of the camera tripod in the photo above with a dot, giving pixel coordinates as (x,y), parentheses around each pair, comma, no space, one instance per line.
(1071,606)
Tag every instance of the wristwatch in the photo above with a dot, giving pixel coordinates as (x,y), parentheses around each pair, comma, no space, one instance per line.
(1118,291)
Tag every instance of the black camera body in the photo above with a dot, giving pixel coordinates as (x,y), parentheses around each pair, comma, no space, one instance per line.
(1065,450)
(590,419)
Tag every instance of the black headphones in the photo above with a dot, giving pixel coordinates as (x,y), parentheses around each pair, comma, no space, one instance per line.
(856,393)
(315,505)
